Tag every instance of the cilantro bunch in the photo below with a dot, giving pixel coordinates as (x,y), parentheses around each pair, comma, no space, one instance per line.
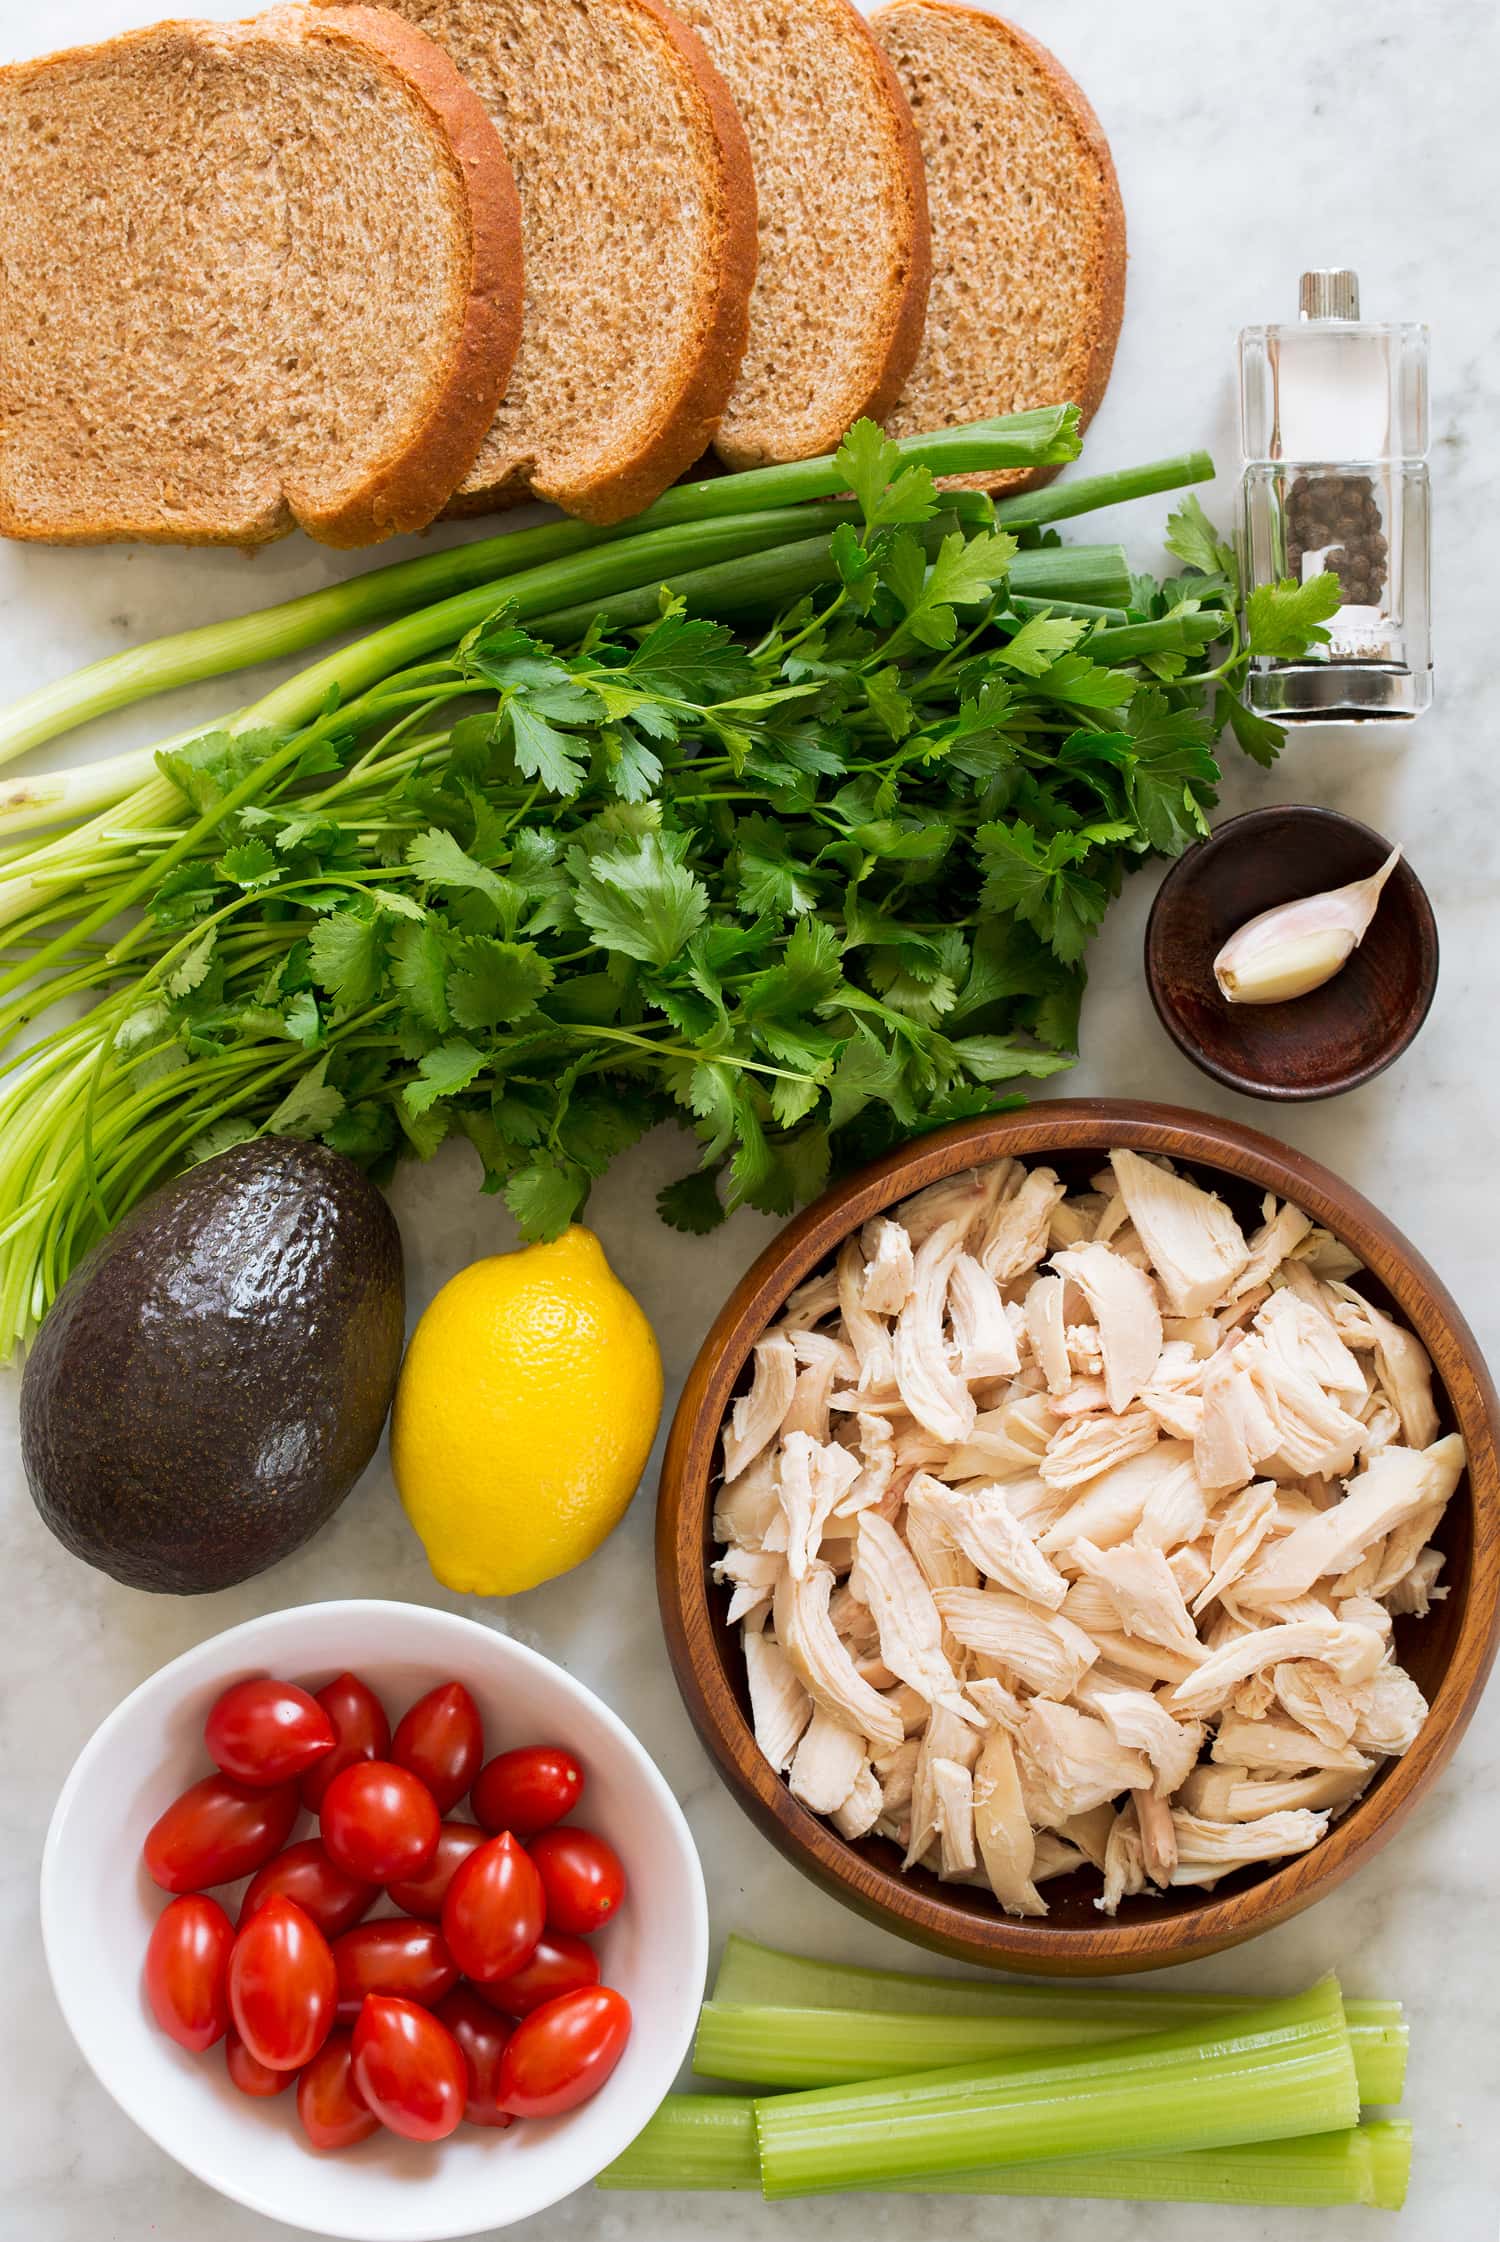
(802,884)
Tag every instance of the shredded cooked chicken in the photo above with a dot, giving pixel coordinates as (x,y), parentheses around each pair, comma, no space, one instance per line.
(1065,1532)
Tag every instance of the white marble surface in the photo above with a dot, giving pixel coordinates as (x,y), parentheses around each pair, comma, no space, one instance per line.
(1250,142)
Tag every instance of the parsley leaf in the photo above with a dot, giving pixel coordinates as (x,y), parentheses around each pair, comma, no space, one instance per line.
(1285,619)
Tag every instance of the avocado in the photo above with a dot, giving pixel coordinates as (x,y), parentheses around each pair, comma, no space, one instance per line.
(214,1376)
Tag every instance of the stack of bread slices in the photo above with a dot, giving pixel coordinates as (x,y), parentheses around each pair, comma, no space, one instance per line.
(346,268)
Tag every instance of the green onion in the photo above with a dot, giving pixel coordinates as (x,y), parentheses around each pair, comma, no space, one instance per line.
(708,2141)
(1044,438)
(1271,2073)
(1085,494)
(1168,634)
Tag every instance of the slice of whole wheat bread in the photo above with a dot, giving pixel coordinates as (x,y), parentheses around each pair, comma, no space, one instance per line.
(252,275)
(638,216)
(1028,231)
(841,287)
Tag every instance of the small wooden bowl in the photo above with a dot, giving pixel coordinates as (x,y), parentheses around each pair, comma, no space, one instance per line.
(1449,1653)
(1332,1039)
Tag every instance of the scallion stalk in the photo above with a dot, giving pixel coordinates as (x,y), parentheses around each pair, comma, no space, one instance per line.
(751,1975)
(708,2142)
(1272,2073)
(1085,494)
(1167,634)
(1044,438)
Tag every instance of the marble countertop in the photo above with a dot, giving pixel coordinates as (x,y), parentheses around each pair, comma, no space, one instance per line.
(1250,142)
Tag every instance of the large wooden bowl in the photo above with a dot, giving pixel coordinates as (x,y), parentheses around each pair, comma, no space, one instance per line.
(1449,1653)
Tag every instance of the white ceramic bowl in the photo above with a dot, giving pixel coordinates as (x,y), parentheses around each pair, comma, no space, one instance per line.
(99,1905)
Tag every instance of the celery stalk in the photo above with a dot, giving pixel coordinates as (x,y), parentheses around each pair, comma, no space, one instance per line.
(803,2047)
(707,2141)
(755,1976)
(1277,2071)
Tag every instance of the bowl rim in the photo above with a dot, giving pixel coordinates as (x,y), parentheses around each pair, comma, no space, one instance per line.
(694,1928)
(1189,868)
(690,1623)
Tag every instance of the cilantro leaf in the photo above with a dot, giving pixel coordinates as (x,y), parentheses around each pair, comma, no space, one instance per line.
(442,1073)
(491,983)
(1171,774)
(308,1106)
(419,969)
(999,1058)
(558,760)
(545,1195)
(692,1203)
(249,864)
(347,951)
(1285,619)
(686,659)
(639,899)
(437,858)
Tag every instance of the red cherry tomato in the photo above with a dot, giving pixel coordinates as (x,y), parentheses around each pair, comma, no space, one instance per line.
(424,1895)
(217,1831)
(282,1986)
(379,1822)
(495,1910)
(482,2036)
(442,1742)
(322,1889)
(360,1727)
(409,2069)
(249,2074)
(558,1964)
(396,1956)
(563,2052)
(332,2110)
(267,1732)
(528,1790)
(187,1971)
(581,1876)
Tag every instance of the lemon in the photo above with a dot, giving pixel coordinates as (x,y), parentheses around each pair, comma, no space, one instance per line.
(525,1411)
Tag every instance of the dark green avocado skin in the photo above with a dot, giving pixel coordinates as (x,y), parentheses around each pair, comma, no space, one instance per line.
(214,1377)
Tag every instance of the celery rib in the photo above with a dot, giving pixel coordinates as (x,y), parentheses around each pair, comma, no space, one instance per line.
(752,1976)
(1276,2071)
(708,2142)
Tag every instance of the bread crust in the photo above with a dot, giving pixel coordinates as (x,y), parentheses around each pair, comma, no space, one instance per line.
(683,430)
(406,489)
(904,307)
(1101,337)
(411,490)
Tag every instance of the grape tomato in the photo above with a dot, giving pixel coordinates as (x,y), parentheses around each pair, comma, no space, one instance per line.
(482,2035)
(334,2113)
(379,1822)
(394,1955)
(282,1986)
(248,2072)
(441,1741)
(266,1731)
(409,2069)
(581,1876)
(563,2052)
(558,1963)
(527,1790)
(304,1873)
(217,1831)
(424,1895)
(360,1728)
(495,1910)
(187,1971)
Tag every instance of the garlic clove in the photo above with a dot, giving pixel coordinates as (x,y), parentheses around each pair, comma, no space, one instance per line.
(1294,948)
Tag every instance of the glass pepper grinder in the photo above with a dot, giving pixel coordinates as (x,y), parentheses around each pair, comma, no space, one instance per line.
(1333,421)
